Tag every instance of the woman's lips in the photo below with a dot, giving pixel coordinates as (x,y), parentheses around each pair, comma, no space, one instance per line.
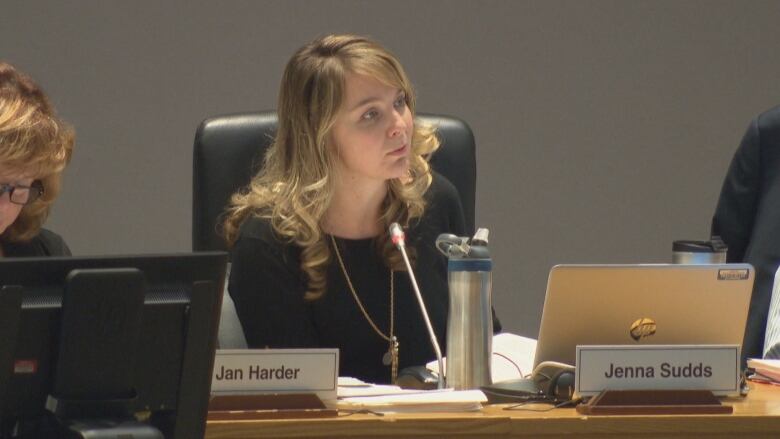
(400,151)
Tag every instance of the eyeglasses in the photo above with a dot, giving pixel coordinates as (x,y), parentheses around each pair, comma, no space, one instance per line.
(22,194)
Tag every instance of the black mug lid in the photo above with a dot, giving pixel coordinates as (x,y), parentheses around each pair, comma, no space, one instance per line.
(714,245)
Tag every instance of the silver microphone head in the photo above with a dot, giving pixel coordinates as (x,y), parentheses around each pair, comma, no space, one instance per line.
(397,235)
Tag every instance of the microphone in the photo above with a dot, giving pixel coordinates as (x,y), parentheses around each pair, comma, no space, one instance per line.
(399,239)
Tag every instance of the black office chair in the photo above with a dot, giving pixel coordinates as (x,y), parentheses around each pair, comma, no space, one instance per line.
(229,150)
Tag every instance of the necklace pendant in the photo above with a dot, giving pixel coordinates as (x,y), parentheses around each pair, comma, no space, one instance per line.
(390,358)
(387,358)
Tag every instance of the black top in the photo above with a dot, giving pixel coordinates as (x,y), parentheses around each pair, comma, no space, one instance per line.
(748,217)
(268,286)
(45,243)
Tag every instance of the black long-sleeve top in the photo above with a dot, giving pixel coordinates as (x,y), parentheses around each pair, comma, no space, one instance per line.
(268,286)
(45,243)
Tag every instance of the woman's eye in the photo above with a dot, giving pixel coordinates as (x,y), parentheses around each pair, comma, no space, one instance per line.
(370,115)
(400,102)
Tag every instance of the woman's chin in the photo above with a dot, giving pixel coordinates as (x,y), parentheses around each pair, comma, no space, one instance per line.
(400,169)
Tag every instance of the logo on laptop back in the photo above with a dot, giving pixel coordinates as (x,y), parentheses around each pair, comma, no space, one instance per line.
(733,274)
(641,328)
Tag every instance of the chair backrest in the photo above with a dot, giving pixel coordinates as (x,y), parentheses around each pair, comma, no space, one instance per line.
(230,149)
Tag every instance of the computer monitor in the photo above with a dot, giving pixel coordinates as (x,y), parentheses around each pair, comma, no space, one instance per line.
(176,336)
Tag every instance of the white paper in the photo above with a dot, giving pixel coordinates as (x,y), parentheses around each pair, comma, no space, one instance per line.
(352,382)
(765,368)
(766,364)
(513,356)
(372,390)
(446,400)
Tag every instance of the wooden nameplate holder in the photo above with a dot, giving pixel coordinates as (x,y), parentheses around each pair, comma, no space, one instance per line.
(654,402)
(268,406)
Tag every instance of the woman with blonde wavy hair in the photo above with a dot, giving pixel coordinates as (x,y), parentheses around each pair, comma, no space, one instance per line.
(312,262)
(35,147)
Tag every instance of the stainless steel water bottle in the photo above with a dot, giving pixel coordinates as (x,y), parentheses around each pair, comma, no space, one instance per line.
(470,319)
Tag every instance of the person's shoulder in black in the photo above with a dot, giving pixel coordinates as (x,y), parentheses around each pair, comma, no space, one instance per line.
(259,228)
(45,243)
(443,210)
(257,234)
(752,174)
(267,287)
(746,217)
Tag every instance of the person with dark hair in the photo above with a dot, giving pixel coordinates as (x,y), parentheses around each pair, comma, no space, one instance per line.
(748,218)
(35,147)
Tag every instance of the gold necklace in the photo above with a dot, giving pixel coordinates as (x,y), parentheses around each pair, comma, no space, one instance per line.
(390,358)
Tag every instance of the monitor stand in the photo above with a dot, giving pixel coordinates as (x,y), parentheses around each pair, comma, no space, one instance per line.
(101,320)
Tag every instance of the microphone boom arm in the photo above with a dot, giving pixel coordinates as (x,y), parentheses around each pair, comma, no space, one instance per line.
(398,239)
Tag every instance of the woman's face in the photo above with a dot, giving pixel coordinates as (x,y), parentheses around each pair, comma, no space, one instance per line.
(372,131)
(10,211)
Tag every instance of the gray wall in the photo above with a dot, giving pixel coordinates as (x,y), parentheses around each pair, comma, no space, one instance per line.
(604,128)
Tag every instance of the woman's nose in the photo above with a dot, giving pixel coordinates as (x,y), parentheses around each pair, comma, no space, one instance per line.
(399,125)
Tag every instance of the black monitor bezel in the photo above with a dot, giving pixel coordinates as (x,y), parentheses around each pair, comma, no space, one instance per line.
(203,271)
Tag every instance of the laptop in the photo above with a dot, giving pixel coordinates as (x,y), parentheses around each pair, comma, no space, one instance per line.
(646,304)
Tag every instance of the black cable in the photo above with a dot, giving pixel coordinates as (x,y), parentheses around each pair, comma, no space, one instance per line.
(561,404)
(523,398)
(348,412)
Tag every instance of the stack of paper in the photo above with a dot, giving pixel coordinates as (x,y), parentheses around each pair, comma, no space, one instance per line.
(446,400)
(350,387)
(765,370)
(358,395)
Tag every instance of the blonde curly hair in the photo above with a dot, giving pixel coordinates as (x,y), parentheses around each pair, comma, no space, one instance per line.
(33,142)
(294,187)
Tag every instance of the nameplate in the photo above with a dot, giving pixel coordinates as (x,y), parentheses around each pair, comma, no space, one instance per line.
(270,371)
(658,367)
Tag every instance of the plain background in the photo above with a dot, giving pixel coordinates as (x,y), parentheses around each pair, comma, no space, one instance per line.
(604,128)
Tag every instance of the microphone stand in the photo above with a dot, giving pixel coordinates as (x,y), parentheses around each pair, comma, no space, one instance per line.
(397,235)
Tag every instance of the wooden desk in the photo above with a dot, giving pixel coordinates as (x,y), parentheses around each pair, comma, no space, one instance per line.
(757,416)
